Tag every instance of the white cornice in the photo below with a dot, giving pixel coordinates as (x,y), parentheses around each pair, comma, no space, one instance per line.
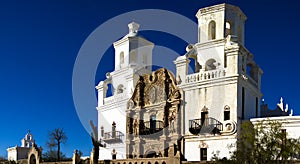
(211,43)
(134,38)
(210,9)
(220,7)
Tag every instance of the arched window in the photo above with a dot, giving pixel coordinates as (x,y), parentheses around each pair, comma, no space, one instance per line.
(227,29)
(121,57)
(250,70)
(210,65)
(226,113)
(110,90)
(212,30)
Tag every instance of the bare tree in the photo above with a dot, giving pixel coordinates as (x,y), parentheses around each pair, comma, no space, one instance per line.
(56,137)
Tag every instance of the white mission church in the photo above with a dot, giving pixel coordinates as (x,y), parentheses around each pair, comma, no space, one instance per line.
(168,117)
(176,114)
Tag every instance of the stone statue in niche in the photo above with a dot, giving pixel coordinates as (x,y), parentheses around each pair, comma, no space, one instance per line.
(172,117)
(140,91)
(136,127)
(128,122)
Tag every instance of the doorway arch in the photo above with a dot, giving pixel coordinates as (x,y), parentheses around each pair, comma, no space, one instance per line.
(32,159)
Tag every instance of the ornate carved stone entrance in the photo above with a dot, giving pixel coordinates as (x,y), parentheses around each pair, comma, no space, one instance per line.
(154,116)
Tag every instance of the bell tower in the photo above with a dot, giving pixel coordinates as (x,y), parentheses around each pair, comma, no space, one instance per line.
(224,90)
(28,140)
(219,21)
(133,57)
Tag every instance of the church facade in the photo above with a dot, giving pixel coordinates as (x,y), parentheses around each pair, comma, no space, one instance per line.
(21,152)
(188,116)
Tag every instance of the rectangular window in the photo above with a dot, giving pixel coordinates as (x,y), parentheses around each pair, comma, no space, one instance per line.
(153,122)
(204,116)
(203,154)
(243,103)
(226,115)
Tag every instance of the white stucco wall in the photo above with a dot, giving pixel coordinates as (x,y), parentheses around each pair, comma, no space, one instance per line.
(290,123)
(12,154)
(220,146)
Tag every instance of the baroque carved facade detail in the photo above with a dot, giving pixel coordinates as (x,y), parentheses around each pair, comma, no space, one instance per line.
(153,113)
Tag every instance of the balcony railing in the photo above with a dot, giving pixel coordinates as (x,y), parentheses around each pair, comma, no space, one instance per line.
(113,137)
(115,98)
(209,125)
(205,75)
(151,127)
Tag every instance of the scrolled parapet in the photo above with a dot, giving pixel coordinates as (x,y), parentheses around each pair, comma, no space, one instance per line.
(155,88)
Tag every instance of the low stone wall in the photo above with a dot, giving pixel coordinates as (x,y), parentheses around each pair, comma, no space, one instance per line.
(68,162)
(161,160)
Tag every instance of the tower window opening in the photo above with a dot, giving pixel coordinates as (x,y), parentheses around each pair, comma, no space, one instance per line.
(122,57)
(192,64)
(109,91)
(227,29)
(212,30)
(250,70)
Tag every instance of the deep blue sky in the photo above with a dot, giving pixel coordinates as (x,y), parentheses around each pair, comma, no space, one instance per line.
(39,42)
